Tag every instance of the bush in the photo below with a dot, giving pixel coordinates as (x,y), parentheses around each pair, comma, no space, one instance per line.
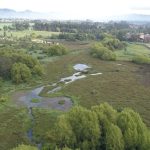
(140,59)
(56,50)
(99,51)
(9,59)
(113,43)
(20,73)
(108,55)
(38,70)
(3,99)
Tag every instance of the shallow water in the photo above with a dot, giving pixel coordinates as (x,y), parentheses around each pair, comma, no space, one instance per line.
(74,77)
(44,102)
(26,98)
(81,67)
(95,74)
(56,89)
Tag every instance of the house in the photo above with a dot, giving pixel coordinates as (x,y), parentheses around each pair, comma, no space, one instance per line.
(147,38)
(141,36)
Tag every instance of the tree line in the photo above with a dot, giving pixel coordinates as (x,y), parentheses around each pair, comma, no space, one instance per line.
(18,66)
(100,128)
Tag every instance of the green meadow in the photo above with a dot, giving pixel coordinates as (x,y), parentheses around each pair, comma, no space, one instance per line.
(121,84)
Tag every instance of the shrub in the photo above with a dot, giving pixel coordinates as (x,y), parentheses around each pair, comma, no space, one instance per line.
(140,59)
(99,51)
(9,59)
(3,99)
(38,70)
(57,50)
(113,43)
(20,73)
(108,55)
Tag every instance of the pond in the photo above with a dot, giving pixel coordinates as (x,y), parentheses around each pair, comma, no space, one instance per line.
(81,67)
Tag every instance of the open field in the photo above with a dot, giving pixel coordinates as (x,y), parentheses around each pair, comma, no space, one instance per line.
(44,120)
(132,50)
(13,126)
(121,84)
(24,33)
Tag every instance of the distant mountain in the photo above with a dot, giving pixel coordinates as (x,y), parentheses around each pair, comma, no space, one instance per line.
(27,14)
(131,18)
(137,17)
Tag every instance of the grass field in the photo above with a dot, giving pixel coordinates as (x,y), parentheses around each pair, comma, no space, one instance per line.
(44,120)
(122,84)
(24,33)
(13,126)
(132,50)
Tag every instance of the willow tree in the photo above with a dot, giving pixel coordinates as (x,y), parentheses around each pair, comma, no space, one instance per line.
(20,73)
(114,138)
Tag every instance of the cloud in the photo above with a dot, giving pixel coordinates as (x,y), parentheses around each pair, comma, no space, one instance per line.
(80,8)
(140,8)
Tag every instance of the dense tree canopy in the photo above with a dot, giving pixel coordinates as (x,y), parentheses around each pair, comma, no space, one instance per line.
(18,66)
(101,128)
(20,26)
(20,73)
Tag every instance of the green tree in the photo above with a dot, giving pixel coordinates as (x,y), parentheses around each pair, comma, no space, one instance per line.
(84,124)
(143,141)
(38,70)
(62,133)
(114,138)
(56,50)
(20,73)
(99,51)
(106,115)
(102,128)
(135,133)
(77,129)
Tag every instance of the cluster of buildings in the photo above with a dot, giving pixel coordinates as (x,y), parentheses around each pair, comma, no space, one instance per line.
(144,37)
(140,37)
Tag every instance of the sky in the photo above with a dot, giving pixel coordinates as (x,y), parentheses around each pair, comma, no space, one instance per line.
(91,9)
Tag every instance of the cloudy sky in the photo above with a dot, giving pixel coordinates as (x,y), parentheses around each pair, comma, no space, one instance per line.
(81,8)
